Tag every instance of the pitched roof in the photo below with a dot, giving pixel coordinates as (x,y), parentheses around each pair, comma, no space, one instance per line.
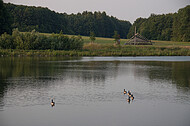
(138,39)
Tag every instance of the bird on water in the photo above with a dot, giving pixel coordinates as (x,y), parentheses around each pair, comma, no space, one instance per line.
(125,92)
(52,103)
(128,99)
(129,93)
(132,97)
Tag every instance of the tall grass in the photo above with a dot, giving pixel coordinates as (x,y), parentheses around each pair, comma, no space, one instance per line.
(93,49)
(129,50)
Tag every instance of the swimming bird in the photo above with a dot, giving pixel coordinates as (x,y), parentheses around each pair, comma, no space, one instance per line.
(124,92)
(129,99)
(52,103)
(132,97)
(129,93)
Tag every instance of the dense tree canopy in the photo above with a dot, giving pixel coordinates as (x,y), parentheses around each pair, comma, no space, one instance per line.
(174,27)
(181,25)
(27,18)
(156,27)
(5,19)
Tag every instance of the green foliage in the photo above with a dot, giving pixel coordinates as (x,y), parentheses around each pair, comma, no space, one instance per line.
(136,24)
(35,41)
(102,47)
(27,18)
(112,50)
(156,27)
(5,19)
(181,25)
(165,27)
(92,37)
(6,41)
(94,49)
(116,37)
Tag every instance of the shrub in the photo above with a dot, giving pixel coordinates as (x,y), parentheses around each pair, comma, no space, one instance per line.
(35,41)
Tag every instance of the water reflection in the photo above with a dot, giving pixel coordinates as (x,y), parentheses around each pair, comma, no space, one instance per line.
(177,72)
(27,74)
(32,83)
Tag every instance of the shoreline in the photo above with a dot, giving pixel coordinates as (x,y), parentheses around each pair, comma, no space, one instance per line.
(100,51)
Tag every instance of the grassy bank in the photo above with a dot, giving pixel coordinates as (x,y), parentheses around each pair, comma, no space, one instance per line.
(104,50)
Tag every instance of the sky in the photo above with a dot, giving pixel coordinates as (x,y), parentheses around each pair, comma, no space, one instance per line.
(128,10)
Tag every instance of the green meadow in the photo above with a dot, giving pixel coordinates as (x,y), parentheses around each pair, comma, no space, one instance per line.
(110,41)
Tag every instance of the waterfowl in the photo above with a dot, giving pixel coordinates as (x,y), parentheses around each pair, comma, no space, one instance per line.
(52,103)
(128,99)
(129,93)
(132,97)
(125,92)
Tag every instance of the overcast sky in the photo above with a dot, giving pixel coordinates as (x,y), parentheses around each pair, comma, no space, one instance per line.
(128,10)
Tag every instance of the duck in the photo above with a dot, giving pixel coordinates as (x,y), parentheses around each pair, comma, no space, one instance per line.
(125,92)
(52,103)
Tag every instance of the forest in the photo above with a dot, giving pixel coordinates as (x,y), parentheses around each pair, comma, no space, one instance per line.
(27,18)
(168,27)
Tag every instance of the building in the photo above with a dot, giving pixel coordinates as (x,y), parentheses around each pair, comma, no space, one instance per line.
(138,39)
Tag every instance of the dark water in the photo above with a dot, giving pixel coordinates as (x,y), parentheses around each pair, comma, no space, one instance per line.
(88,91)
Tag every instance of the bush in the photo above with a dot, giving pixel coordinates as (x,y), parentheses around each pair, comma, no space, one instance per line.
(35,41)
(6,41)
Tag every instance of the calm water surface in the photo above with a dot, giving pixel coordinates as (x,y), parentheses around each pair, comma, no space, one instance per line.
(88,91)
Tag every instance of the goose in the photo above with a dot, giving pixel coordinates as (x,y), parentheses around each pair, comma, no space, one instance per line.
(132,97)
(124,92)
(129,93)
(52,103)
(129,99)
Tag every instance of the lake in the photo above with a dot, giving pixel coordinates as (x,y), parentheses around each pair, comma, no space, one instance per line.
(88,91)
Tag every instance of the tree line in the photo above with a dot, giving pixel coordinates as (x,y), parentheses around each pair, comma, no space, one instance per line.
(27,18)
(175,27)
(5,19)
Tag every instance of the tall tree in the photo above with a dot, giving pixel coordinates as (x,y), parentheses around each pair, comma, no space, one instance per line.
(116,37)
(5,19)
(181,25)
(92,36)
